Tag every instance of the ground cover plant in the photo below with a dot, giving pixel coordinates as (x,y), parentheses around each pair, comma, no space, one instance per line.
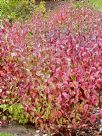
(51,69)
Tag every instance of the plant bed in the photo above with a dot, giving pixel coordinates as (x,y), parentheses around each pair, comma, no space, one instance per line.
(51,71)
(29,130)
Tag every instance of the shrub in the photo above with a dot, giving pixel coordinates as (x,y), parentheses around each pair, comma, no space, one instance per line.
(15,112)
(53,67)
(18,10)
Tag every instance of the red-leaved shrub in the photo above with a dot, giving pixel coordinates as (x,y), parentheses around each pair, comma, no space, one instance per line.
(53,67)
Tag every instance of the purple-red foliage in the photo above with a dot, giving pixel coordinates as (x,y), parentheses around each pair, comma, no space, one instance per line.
(53,67)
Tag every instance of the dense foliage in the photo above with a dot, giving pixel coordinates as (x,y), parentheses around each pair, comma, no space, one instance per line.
(53,67)
(19,9)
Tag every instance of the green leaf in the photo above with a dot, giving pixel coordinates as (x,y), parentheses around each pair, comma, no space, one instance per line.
(31,33)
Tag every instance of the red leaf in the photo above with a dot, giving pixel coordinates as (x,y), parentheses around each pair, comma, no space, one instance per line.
(100,112)
(93,118)
(86,107)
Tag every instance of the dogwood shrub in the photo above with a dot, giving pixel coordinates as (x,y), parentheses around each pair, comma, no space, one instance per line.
(53,67)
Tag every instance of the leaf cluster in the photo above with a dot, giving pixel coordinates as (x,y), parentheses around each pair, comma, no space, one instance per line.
(53,67)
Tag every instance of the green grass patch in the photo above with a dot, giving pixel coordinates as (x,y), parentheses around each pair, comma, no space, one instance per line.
(97,4)
(5,134)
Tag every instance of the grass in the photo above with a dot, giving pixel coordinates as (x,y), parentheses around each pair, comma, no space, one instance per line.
(5,134)
(96,4)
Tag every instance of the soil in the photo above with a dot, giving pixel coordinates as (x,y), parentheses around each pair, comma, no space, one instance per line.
(20,130)
(53,4)
(29,130)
